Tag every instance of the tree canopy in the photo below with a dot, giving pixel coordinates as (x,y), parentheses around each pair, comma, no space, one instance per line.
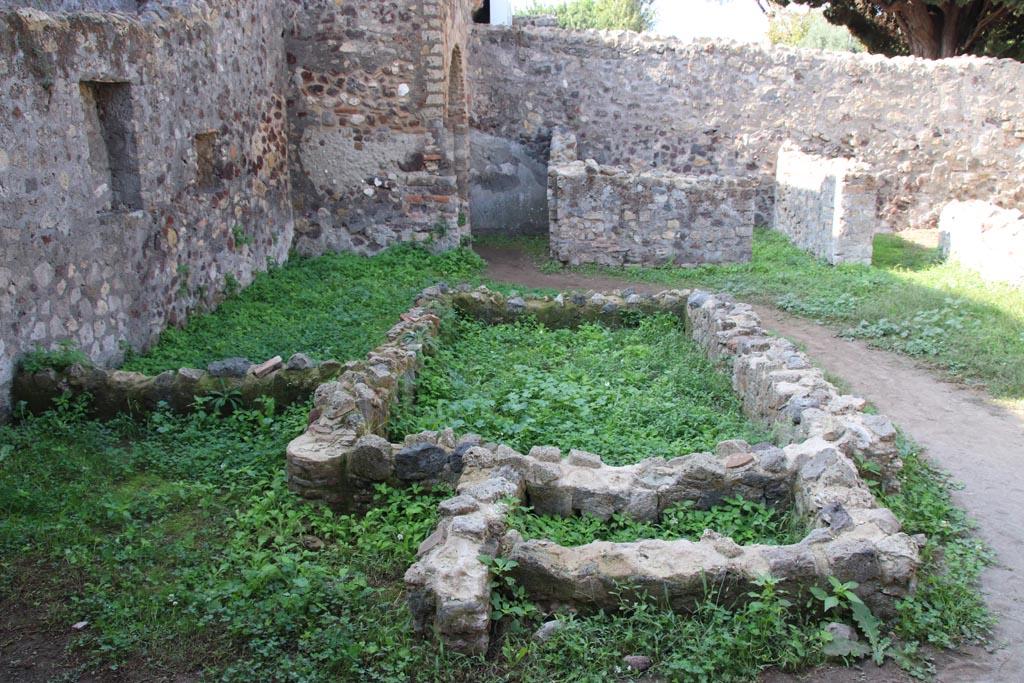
(810,29)
(928,28)
(628,15)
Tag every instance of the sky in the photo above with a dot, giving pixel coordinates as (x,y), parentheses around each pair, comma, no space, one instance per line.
(739,20)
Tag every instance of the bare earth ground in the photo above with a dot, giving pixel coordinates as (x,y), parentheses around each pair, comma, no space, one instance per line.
(963,431)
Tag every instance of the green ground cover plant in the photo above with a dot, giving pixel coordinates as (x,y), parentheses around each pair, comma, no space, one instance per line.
(907,301)
(176,538)
(332,307)
(625,394)
(746,522)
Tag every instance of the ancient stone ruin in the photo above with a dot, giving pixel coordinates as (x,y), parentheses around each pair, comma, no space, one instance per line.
(158,153)
(344,454)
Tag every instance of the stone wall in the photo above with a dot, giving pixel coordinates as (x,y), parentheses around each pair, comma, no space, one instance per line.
(826,206)
(985,238)
(76,5)
(119,392)
(613,216)
(933,130)
(143,169)
(379,123)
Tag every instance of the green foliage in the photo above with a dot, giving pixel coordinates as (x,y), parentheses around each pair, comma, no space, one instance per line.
(231,285)
(240,237)
(746,522)
(627,15)
(718,642)
(65,355)
(810,29)
(625,394)
(335,306)
(178,540)
(508,599)
(947,607)
(907,301)
(929,29)
(180,543)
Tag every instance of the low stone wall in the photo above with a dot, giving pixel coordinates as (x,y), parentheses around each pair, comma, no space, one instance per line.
(613,216)
(826,206)
(851,539)
(342,455)
(118,392)
(985,238)
(781,387)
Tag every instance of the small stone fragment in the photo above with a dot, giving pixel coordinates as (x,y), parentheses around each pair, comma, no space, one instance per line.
(420,461)
(300,361)
(731,447)
(739,460)
(842,631)
(547,631)
(311,543)
(229,367)
(584,459)
(638,662)
(267,367)
(80,626)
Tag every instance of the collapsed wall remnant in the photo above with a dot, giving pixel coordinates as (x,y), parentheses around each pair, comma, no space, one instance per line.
(614,216)
(826,206)
(850,536)
(158,153)
(636,100)
(986,238)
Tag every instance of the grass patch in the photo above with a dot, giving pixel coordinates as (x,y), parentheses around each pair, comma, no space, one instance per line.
(907,301)
(534,246)
(205,562)
(746,522)
(626,394)
(177,539)
(332,307)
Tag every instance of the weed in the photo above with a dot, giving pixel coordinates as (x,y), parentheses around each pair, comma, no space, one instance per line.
(231,285)
(625,394)
(65,355)
(336,306)
(746,522)
(240,237)
(907,301)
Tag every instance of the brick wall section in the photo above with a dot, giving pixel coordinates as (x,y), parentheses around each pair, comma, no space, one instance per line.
(826,206)
(73,269)
(378,129)
(933,130)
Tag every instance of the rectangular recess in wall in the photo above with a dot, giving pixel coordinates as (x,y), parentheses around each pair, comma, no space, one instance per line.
(113,153)
(207,166)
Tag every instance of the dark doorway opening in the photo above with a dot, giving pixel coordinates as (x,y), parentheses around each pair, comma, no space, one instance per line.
(483,15)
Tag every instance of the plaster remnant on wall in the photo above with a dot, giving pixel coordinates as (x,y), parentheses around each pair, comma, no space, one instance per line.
(826,206)
(986,238)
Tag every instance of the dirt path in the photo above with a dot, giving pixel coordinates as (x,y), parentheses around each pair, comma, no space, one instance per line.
(963,431)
